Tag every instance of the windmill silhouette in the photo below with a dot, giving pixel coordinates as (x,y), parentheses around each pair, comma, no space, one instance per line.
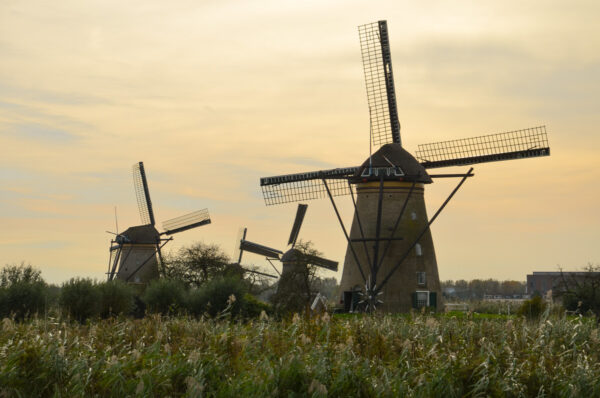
(294,262)
(390,259)
(136,252)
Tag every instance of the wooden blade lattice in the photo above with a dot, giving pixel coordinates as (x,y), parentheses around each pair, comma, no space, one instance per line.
(379,79)
(305,186)
(526,143)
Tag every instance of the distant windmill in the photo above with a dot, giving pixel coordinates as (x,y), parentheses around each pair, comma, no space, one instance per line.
(134,252)
(292,260)
(390,259)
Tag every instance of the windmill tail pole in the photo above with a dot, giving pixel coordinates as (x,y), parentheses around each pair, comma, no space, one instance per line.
(437,213)
(360,228)
(337,213)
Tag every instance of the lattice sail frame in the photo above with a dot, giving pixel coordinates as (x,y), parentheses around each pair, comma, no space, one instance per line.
(379,80)
(187,221)
(142,194)
(305,186)
(530,142)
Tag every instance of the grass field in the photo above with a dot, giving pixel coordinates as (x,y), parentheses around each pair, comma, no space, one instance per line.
(366,356)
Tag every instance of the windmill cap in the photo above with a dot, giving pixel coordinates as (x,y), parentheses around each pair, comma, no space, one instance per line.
(291,255)
(142,234)
(395,163)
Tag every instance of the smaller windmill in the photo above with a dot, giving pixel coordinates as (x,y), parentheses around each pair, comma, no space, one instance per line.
(294,261)
(135,253)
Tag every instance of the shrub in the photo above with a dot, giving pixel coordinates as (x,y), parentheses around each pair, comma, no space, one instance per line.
(116,298)
(214,297)
(80,298)
(252,307)
(533,308)
(22,291)
(164,296)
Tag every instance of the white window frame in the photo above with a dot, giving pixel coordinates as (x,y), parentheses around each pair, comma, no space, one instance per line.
(426,292)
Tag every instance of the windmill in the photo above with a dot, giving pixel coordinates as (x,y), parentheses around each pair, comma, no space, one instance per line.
(293,261)
(390,260)
(135,253)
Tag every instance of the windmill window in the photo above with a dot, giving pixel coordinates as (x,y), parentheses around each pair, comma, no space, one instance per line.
(413,215)
(421,278)
(418,250)
(422,299)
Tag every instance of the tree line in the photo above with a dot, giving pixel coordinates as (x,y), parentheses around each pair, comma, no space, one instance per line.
(477,288)
(197,280)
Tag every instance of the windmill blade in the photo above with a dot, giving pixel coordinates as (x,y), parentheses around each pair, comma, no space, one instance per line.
(519,144)
(185,222)
(379,79)
(237,251)
(305,186)
(142,193)
(321,262)
(255,248)
(297,223)
(114,259)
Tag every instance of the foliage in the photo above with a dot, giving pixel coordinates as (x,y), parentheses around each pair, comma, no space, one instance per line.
(116,298)
(580,291)
(12,274)
(532,308)
(22,291)
(215,297)
(328,287)
(80,298)
(296,285)
(253,307)
(165,296)
(365,356)
(477,288)
(196,264)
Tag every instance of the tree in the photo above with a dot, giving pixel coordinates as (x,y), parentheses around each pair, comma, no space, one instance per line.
(296,285)
(22,291)
(12,274)
(80,297)
(196,264)
(580,290)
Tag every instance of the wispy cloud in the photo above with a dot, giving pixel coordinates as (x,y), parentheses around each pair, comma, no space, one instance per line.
(39,132)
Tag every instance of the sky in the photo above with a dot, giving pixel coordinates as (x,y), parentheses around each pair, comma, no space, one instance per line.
(212,95)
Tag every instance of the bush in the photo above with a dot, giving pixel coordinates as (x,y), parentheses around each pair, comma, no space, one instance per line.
(80,298)
(214,297)
(116,298)
(252,307)
(22,291)
(533,308)
(164,296)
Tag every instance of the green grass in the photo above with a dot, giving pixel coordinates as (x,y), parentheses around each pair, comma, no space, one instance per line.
(366,356)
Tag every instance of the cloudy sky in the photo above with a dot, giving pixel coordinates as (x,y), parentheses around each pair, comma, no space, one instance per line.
(212,95)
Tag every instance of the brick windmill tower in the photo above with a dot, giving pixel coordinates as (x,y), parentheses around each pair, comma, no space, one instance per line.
(390,261)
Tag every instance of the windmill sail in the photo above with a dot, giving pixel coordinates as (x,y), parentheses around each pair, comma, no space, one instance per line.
(300,213)
(185,222)
(379,79)
(526,143)
(305,186)
(321,262)
(255,248)
(142,194)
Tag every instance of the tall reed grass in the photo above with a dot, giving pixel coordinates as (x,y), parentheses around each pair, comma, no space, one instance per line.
(364,356)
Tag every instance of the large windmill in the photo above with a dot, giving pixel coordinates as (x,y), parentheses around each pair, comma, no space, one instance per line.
(135,252)
(293,261)
(390,259)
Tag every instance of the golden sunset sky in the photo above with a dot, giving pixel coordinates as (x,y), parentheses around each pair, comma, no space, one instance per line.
(213,95)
